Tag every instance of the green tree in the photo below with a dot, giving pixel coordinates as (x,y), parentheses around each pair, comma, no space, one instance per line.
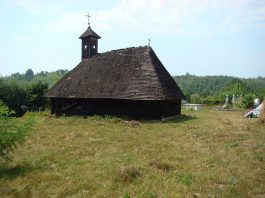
(35,94)
(236,87)
(29,75)
(13,96)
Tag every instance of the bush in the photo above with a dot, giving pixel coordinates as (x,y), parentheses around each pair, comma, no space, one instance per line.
(195,98)
(5,111)
(247,101)
(212,100)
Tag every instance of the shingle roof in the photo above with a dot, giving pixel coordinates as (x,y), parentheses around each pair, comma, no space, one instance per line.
(131,73)
(89,32)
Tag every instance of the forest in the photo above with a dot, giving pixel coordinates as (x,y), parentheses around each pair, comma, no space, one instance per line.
(22,92)
(214,89)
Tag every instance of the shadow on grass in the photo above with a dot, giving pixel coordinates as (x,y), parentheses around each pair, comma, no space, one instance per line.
(173,119)
(180,118)
(11,172)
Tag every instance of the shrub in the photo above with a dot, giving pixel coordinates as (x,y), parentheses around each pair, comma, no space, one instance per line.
(212,100)
(195,98)
(5,111)
(247,101)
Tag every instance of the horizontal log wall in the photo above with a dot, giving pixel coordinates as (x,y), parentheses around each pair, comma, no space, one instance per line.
(124,108)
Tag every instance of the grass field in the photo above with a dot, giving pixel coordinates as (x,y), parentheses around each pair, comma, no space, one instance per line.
(200,154)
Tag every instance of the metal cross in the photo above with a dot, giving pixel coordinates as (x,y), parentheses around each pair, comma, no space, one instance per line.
(149,40)
(87,15)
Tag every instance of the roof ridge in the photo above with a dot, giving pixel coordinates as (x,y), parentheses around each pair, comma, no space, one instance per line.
(123,49)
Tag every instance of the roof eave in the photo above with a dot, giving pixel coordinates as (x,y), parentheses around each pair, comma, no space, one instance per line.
(95,36)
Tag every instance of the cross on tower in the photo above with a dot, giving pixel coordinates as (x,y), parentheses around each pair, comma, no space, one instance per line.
(88,16)
(149,40)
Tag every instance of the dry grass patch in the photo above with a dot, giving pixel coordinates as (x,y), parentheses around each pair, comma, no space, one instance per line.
(127,173)
(164,166)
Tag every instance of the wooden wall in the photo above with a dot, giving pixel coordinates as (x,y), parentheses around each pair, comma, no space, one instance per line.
(124,108)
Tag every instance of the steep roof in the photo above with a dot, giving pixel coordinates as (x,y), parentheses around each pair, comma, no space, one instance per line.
(132,73)
(89,32)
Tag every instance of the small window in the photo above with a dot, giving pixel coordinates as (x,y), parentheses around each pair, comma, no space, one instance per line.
(94,47)
(85,46)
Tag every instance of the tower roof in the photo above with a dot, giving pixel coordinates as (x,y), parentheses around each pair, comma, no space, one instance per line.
(130,74)
(89,32)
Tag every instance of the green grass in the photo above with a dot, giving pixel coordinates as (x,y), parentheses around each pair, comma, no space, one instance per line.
(215,154)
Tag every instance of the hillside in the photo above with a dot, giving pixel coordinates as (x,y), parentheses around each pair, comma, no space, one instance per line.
(213,85)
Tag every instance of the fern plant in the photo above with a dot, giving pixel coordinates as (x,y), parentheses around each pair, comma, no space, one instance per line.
(12,132)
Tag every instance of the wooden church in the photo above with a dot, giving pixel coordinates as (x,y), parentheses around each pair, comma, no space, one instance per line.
(129,82)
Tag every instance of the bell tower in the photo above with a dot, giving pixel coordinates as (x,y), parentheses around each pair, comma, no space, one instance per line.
(89,46)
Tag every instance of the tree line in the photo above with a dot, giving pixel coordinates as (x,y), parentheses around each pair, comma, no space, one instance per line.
(22,92)
(214,89)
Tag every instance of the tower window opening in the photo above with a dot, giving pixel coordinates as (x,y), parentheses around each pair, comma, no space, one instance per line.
(85,46)
(94,47)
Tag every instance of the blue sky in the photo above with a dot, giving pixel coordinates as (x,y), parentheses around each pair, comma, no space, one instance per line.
(201,37)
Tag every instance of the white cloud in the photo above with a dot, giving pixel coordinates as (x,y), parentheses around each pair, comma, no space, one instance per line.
(175,17)
(65,22)
(34,7)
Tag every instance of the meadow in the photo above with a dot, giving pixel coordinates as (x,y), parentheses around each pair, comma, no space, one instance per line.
(198,154)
